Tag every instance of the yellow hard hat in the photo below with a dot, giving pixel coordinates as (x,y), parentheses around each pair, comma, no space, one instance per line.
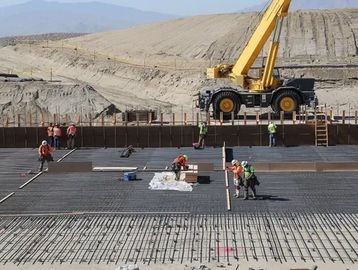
(185,157)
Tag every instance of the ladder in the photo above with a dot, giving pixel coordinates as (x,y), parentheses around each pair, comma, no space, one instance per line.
(321,129)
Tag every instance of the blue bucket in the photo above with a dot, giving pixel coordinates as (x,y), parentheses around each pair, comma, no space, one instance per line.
(130,176)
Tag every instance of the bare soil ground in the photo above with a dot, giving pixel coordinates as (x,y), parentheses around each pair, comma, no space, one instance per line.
(162,66)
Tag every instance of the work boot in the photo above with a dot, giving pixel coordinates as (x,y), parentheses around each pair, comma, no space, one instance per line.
(246,195)
(254,193)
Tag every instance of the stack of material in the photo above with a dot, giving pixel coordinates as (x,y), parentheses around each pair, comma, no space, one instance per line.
(195,171)
(191,175)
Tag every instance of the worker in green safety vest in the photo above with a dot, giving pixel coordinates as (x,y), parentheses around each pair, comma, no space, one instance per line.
(272,129)
(203,131)
(250,180)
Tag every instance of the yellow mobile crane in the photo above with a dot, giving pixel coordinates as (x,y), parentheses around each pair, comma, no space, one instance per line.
(266,90)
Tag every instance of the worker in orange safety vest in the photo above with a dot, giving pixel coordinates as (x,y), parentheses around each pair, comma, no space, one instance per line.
(57,133)
(178,164)
(237,170)
(50,134)
(44,152)
(71,134)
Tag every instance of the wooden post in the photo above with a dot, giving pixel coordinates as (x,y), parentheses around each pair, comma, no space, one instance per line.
(331,116)
(114,121)
(208,118)
(185,119)
(356,117)
(269,117)
(282,116)
(54,119)
(344,117)
(42,119)
(306,116)
(137,118)
(30,119)
(161,119)
(7,121)
(18,120)
(173,119)
(78,120)
(245,118)
(90,119)
(197,119)
(125,118)
(294,117)
(232,118)
(102,120)
(257,118)
(221,118)
(150,118)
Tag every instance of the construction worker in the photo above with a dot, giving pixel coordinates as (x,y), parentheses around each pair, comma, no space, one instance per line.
(71,134)
(203,131)
(44,154)
(237,170)
(50,134)
(250,180)
(272,129)
(179,164)
(57,133)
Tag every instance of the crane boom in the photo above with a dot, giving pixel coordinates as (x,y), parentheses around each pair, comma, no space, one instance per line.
(238,73)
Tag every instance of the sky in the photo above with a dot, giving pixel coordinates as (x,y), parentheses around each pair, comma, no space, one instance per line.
(175,7)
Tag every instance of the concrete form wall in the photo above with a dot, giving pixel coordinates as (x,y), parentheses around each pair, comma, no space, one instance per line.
(180,136)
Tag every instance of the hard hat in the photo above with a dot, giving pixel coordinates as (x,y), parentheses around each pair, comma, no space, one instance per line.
(44,142)
(234,162)
(185,157)
(244,163)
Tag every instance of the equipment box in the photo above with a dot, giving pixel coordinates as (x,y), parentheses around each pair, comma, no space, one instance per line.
(130,176)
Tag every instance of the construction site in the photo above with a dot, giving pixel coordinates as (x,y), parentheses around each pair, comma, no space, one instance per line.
(137,149)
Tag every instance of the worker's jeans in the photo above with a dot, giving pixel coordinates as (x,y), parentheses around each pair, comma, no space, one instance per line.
(250,183)
(71,142)
(57,142)
(51,141)
(272,139)
(42,160)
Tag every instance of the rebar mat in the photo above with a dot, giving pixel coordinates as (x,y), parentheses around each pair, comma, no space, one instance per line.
(179,238)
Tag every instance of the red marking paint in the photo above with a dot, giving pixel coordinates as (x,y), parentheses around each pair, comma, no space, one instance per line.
(225,250)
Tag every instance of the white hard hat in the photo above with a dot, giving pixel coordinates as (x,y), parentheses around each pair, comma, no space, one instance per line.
(234,162)
(44,142)
(244,163)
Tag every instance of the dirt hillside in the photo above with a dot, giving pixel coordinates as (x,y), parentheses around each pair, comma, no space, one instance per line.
(162,66)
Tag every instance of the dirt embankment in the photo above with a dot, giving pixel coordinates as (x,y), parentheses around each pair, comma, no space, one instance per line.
(162,66)
(46,99)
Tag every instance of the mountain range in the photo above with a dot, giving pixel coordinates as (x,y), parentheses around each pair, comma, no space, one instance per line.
(39,16)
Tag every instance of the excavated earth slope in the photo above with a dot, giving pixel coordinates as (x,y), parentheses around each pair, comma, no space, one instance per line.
(25,98)
(162,66)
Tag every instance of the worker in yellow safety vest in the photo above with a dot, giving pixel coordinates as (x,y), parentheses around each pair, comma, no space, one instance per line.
(272,129)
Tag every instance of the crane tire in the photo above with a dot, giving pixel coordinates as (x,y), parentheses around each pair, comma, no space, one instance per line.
(287,101)
(226,102)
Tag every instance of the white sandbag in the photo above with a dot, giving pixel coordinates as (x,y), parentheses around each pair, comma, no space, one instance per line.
(166,181)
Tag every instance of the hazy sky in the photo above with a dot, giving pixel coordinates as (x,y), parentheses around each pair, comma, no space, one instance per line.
(177,7)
